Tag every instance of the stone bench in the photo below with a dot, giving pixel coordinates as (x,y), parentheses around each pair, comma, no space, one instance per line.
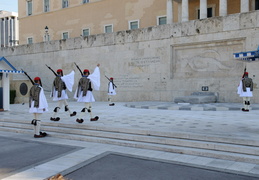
(198,98)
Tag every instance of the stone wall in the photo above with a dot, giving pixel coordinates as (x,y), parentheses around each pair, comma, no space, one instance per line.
(152,64)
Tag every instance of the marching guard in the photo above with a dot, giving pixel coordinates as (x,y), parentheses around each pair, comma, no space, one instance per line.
(60,84)
(245,90)
(38,105)
(111,91)
(83,93)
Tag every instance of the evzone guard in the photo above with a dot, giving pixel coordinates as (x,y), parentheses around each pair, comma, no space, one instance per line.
(83,93)
(245,90)
(37,105)
(111,90)
(60,84)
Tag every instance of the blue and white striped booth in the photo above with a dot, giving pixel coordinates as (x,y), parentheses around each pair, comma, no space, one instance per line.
(9,68)
(6,68)
(249,56)
(11,71)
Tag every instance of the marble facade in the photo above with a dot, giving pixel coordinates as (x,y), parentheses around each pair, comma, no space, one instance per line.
(152,64)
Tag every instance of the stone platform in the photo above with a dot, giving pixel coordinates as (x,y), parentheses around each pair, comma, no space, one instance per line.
(198,98)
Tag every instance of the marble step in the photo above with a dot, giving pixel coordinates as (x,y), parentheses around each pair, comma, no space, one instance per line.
(164,140)
(152,146)
(164,134)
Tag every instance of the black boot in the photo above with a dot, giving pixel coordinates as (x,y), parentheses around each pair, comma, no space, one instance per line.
(43,134)
(73,114)
(94,119)
(79,120)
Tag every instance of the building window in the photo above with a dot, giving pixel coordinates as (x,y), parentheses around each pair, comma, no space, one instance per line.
(85,1)
(64,3)
(46,5)
(108,29)
(46,37)
(210,12)
(30,40)
(86,32)
(65,35)
(29,8)
(134,24)
(256,4)
(161,20)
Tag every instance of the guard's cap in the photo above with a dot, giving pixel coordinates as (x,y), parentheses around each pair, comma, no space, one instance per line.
(59,70)
(36,78)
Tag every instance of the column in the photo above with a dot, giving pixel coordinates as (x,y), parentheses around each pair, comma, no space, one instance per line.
(1,34)
(223,8)
(16,30)
(203,9)
(11,35)
(169,12)
(7,29)
(179,11)
(252,5)
(6,91)
(244,6)
(185,10)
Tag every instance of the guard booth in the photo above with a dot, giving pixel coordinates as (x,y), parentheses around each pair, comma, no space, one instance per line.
(248,56)
(6,69)
(1,93)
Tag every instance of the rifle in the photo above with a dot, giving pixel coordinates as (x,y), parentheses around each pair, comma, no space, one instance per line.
(244,72)
(28,77)
(79,69)
(52,70)
(111,81)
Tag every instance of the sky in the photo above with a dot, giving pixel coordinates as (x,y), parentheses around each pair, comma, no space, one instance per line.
(9,5)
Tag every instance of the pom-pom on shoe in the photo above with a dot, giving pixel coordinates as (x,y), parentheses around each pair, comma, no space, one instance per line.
(43,134)
(52,119)
(57,119)
(94,119)
(73,114)
(79,120)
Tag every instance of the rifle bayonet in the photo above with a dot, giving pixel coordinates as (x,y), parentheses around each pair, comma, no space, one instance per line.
(79,69)
(52,70)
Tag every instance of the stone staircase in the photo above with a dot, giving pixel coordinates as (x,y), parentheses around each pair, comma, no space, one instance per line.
(242,150)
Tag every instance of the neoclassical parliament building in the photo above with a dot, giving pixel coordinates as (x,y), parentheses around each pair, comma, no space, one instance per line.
(42,20)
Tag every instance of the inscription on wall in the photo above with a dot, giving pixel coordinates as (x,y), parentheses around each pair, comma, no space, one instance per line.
(126,81)
(144,61)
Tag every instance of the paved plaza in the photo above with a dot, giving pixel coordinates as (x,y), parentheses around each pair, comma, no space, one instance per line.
(222,120)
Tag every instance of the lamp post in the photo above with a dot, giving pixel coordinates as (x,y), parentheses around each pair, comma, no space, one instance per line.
(46,33)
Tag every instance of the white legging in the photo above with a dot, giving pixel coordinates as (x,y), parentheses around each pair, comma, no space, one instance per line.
(109,98)
(246,102)
(60,104)
(88,108)
(38,123)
